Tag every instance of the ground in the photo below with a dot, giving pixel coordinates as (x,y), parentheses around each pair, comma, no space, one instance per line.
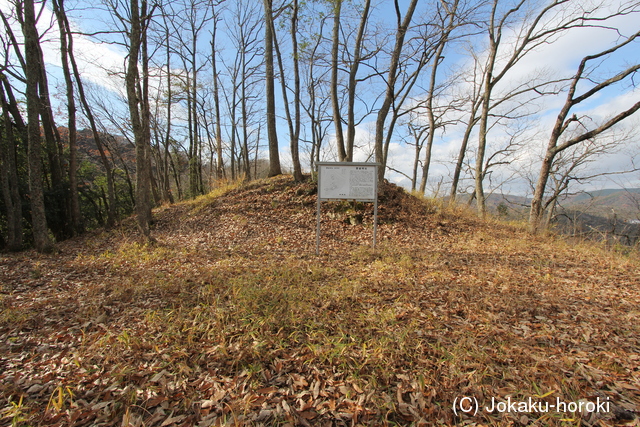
(230,318)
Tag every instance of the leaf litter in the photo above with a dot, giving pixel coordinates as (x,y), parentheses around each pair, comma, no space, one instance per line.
(231,319)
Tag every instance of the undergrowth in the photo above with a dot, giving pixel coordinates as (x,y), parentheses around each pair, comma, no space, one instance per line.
(231,319)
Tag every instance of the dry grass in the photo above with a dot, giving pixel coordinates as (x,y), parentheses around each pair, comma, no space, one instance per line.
(231,319)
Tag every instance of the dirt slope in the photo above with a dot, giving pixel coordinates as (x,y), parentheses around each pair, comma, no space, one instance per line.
(231,319)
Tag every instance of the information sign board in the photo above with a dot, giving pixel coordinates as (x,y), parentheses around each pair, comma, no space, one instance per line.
(347,181)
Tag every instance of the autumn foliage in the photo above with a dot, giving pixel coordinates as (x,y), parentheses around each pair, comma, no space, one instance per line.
(231,319)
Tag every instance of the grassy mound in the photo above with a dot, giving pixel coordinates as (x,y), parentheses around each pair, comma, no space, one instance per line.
(231,319)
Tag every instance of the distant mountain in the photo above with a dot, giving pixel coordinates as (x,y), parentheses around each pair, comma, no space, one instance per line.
(595,227)
(612,214)
(621,203)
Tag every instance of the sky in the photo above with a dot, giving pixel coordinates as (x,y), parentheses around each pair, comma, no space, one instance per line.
(559,58)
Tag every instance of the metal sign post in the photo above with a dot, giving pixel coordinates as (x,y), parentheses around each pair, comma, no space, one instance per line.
(351,181)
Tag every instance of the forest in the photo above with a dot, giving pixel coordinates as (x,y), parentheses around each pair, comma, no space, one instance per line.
(112,108)
(158,258)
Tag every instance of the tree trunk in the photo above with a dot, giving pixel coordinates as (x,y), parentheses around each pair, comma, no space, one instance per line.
(234,125)
(295,139)
(335,102)
(272,133)
(216,100)
(245,124)
(489,82)
(137,97)
(536,212)
(292,122)
(33,73)
(9,177)
(60,225)
(480,154)
(390,93)
(462,153)
(193,150)
(111,193)
(353,73)
(166,187)
(65,41)
(437,59)
(52,138)
(563,121)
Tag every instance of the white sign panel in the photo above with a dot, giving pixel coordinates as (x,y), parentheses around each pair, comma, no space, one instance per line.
(347,181)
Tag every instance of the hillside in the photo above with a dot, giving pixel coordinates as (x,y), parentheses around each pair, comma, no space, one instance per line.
(603,203)
(231,319)
(625,203)
(611,215)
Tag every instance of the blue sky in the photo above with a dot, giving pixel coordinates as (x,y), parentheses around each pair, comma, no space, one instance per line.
(559,58)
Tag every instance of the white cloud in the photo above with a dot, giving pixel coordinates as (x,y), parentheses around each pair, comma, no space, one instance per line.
(558,59)
(97,62)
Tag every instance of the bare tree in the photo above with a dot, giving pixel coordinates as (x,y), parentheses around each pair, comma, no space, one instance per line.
(9,173)
(66,42)
(472,102)
(583,132)
(572,166)
(163,154)
(246,73)
(88,112)
(317,88)
(418,133)
(293,121)
(295,138)
(250,62)
(14,130)
(53,148)
(533,27)
(358,57)
(402,26)
(335,99)
(138,100)
(216,96)
(33,72)
(188,22)
(272,133)
(351,49)
(449,16)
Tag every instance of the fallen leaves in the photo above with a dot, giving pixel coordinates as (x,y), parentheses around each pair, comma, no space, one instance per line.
(232,319)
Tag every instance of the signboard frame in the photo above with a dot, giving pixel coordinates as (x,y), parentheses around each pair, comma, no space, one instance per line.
(357,187)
